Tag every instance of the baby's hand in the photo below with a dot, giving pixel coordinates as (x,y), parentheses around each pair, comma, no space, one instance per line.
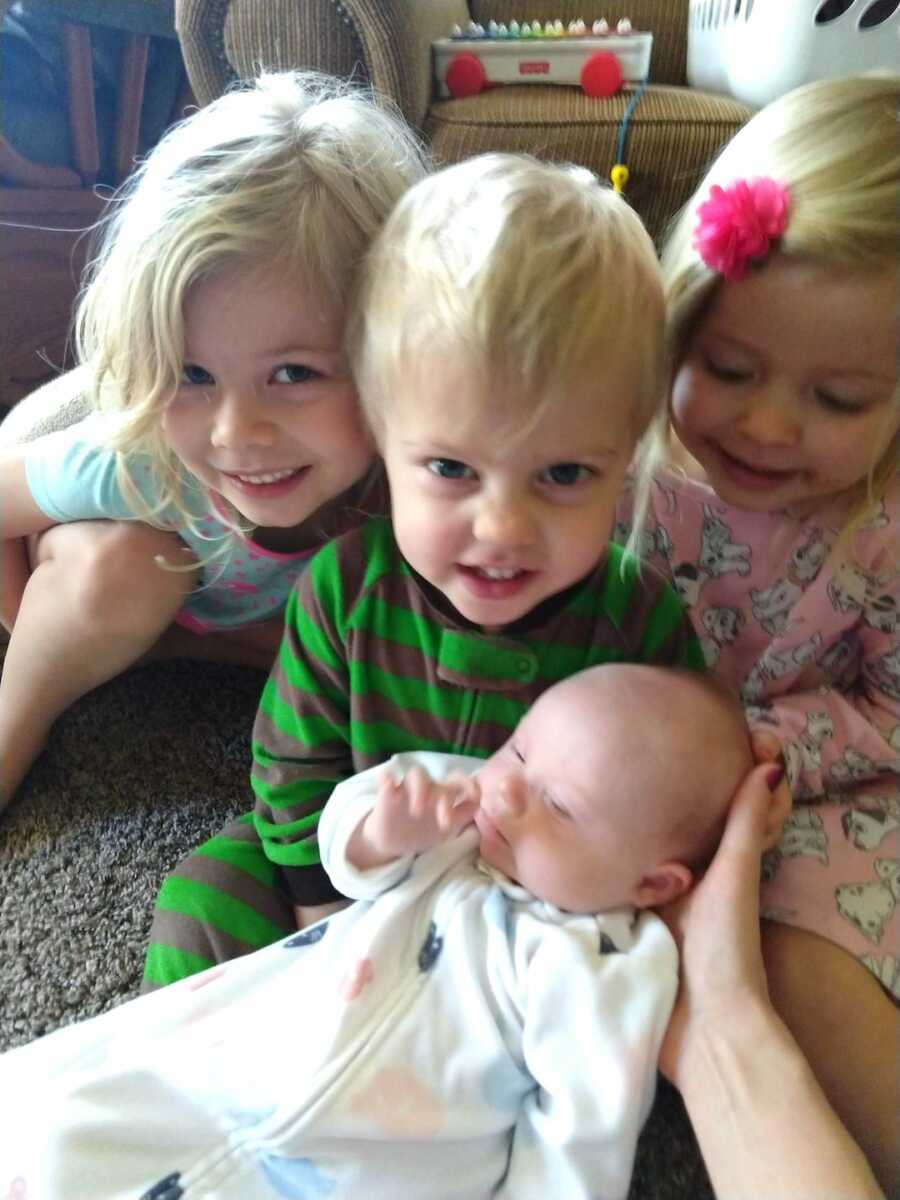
(416,812)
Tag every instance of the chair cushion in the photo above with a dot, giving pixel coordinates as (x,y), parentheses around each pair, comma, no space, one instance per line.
(672,136)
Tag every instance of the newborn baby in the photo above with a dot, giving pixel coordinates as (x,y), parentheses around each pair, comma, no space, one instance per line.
(610,791)
(484,1022)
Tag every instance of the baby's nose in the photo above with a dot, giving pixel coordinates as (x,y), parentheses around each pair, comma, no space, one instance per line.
(512,793)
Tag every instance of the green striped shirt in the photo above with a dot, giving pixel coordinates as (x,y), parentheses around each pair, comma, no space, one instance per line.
(374,662)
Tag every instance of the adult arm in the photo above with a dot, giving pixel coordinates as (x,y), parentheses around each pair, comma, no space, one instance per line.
(762,1122)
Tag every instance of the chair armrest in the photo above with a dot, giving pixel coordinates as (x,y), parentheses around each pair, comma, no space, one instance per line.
(396,36)
(386,43)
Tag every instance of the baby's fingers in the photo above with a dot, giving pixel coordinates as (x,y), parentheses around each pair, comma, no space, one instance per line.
(389,786)
(420,793)
(459,802)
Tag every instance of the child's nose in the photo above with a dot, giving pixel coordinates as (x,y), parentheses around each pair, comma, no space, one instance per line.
(240,421)
(504,522)
(770,420)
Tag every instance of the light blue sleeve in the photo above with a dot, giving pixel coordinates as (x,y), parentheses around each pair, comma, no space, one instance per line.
(72,476)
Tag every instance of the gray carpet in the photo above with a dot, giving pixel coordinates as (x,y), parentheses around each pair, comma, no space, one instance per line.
(136,775)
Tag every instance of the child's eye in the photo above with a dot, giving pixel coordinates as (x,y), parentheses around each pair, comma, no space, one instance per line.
(516,752)
(450,468)
(566,474)
(196,376)
(838,404)
(294,373)
(726,374)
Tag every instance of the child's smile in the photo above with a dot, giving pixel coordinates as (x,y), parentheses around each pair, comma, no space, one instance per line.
(784,394)
(266,414)
(495,519)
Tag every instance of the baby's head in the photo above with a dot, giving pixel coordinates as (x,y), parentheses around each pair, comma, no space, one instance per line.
(507,344)
(614,788)
(803,321)
(280,184)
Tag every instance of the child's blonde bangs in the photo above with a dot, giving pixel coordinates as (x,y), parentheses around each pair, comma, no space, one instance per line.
(292,175)
(507,268)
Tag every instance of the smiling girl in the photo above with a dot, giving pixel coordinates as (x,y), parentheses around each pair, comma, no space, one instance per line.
(226,445)
(781,534)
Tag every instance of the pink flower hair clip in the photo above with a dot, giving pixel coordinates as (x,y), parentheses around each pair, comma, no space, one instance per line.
(738,224)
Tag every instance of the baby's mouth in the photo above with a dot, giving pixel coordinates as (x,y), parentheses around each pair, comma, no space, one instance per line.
(487,827)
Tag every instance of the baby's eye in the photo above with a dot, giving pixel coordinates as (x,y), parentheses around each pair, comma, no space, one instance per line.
(567,474)
(450,468)
(555,807)
(516,752)
(295,373)
(195,376)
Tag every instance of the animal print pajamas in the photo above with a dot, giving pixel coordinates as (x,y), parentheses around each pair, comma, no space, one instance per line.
(813,648)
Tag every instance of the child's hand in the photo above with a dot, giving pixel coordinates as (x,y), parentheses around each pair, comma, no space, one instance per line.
(411,815)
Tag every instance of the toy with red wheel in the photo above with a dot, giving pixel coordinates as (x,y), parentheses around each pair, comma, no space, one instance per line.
(596,58)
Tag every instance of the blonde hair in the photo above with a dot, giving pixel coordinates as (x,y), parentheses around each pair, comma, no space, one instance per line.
(528,273)
(834,145)
(293,174)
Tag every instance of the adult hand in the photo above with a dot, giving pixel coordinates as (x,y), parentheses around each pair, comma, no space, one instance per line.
(716,924)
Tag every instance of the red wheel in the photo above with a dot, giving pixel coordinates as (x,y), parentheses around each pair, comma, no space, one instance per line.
(601,75)
(465,76)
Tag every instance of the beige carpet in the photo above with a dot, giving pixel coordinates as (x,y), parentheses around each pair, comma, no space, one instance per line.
(136,774)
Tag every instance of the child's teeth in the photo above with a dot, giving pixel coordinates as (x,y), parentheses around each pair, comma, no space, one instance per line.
(499,572)
(271,477)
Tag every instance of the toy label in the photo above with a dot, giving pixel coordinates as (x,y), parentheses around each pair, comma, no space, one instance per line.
(534,68)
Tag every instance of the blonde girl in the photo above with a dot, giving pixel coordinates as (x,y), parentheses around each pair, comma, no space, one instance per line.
(225,441)
(782,533)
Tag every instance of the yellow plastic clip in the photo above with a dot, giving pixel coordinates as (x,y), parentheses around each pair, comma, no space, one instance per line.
(619,177)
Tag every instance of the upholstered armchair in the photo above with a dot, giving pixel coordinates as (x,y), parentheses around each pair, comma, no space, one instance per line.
(672,134)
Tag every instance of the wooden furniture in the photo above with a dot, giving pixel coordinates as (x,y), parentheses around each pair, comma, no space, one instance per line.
(47,210)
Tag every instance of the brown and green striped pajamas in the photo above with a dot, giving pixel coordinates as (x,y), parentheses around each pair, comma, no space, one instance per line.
(374,661)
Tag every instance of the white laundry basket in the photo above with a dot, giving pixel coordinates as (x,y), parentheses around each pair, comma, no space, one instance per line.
(756,50)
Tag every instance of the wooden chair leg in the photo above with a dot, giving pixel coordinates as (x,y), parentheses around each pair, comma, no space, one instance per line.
(128,106)
(183,101)
(21,172)
(76,45)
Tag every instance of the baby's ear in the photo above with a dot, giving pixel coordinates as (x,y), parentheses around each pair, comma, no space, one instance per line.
(666,882)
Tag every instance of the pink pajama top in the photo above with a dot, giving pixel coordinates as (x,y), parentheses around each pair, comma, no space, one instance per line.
(812,646)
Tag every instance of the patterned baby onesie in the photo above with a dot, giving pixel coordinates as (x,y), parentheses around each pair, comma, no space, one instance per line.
(447,1037)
